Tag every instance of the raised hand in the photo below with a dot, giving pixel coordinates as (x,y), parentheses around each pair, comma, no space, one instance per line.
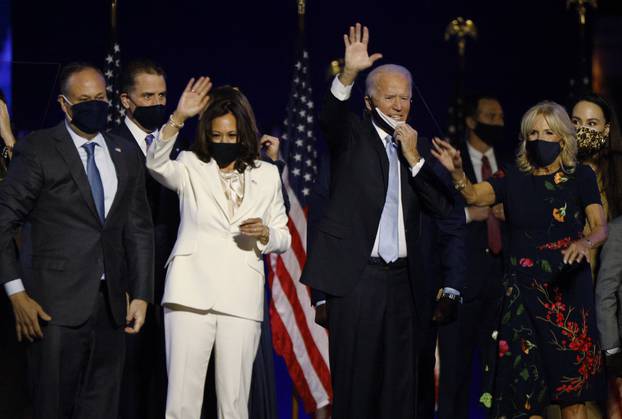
(194,98)
(5,128)
(448,156)
(271,145)
(357,58)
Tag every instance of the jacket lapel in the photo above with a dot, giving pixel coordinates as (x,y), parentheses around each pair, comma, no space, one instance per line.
(467,163)
(67,149)
(407,192)
(116,155)
(377,144)
(126,134)
(215,188)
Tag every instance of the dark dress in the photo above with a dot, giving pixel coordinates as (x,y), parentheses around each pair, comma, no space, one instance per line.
(546,347)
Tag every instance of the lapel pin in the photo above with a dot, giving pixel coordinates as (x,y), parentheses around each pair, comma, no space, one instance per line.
(117,149)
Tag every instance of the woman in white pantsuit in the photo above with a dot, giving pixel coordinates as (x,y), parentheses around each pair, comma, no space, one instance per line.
(232,213)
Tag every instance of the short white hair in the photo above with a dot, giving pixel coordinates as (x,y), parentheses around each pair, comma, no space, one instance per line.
(372,78)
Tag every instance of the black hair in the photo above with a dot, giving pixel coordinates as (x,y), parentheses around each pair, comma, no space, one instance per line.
(225,100)
(69,70)
(471,103)
(136,67)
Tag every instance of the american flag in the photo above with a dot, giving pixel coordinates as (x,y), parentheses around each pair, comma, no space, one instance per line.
(296,337)
(116,113)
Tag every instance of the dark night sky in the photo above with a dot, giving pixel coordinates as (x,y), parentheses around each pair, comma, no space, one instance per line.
(524,52)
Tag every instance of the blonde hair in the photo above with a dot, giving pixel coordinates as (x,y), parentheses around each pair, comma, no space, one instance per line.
(559,122)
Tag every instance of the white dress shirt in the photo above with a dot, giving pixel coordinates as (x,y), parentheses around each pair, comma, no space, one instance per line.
(140,135)
(476,160)
(108,176)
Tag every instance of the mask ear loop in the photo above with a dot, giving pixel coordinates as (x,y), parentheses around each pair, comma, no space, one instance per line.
(439,130)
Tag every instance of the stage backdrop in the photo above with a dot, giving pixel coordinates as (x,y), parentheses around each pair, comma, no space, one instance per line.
(525,52)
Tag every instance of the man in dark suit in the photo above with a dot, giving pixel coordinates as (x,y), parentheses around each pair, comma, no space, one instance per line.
(143,96)
(365,255)
(484,152)
(91,272)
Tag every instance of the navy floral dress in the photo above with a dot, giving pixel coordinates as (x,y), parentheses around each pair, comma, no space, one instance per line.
(545,349)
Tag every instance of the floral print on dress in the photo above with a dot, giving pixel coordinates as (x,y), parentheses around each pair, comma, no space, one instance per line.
(574,337)
(559,214)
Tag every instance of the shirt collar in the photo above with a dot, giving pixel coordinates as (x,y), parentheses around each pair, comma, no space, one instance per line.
(80,141)
(477,155)
(382,133)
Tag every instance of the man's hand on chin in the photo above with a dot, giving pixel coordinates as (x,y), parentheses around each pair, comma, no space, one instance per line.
(407,137)
(136,313)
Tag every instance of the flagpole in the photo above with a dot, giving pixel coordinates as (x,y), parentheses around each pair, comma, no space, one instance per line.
(302,6)
(113,19)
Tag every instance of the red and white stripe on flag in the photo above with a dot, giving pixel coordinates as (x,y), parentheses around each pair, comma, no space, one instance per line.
(302,343)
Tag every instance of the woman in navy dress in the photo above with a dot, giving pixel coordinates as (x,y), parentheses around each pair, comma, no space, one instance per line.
(546,345)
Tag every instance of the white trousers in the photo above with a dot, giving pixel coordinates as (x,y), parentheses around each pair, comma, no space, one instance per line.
(190,337)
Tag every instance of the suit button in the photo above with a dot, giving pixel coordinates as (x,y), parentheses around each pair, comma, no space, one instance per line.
(487,250)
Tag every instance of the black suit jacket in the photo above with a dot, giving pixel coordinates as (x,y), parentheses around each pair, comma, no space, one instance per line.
(483,267)
(48,188)
(346,233)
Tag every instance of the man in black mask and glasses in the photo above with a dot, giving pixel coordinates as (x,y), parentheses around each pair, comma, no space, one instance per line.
(90,276)
(485,152)
(143,94)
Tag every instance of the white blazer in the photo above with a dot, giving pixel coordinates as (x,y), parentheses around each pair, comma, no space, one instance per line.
(212,266)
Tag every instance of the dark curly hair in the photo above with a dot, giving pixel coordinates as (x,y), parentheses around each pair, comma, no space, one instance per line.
(225,100)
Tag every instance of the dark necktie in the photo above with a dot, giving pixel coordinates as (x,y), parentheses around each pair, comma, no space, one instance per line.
(95,180)
(494,228)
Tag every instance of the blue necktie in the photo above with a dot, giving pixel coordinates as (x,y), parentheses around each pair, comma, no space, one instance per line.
(388,241)
(95,180)
(149,139)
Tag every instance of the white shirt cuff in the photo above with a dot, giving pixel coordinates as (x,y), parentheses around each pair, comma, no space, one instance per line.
(340,91)
(452,291)
(467,216)
(417,167)
(319,303)
(14,286)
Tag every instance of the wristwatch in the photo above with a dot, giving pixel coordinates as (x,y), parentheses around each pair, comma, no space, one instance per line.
(455,297)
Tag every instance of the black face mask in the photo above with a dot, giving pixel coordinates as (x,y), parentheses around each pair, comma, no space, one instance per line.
(224,153)
(90,116)
(490,134)
(542,153)
(150,117)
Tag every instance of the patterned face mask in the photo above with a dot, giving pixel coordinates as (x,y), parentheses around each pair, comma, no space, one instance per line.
(590,142)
